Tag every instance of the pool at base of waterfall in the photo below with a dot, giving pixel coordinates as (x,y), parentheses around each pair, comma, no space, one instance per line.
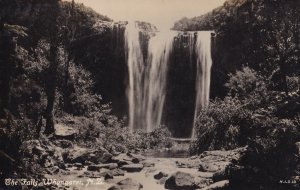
(167,154)
(180,149)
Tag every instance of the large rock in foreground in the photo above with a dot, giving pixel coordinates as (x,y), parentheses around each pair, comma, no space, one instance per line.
(127,184)
(160,175)
(81,155)
(133,167)
(64,132)
(181,181)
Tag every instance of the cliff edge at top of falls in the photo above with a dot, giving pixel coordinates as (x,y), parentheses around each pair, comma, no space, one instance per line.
(215,18)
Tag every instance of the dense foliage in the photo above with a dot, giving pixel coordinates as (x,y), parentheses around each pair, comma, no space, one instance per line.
(251,116)
(211,20)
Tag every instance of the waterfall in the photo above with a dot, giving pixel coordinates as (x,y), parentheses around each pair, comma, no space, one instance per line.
(160,47)
(191,43)
(147,79)
(135,71)
(204,63)
(146,88)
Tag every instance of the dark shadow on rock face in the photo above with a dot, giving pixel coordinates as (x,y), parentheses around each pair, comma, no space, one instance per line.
(180,98)
(104,56)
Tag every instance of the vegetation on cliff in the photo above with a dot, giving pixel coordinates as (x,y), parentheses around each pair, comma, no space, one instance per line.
(213,19)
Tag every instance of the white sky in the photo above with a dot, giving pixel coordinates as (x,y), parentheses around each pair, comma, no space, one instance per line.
(162,13)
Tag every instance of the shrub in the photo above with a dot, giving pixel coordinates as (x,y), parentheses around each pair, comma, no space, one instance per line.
(121,139)
(221,124)
(243,82)
(111,133)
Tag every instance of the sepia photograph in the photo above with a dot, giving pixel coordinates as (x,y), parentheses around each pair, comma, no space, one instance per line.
(149,94)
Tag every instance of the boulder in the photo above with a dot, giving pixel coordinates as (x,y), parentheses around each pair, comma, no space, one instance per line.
(112,166)
(147,164)
(129,157)
(103,170)
(33,147)
(63,143)
(79,166)
(213,166)
(88,163)
(206,174)
(64,132)
(208,167)
(123,163)
(221,185)
(104,173)
(81,155)
(220,175)
(76,155)
(87,173)
(100,156)
(65,172)
(162,181)
(108,175)
(189,163)
(160,175)
(298,148)
(121,157)
(55,169)
(181,181)
(133,167)
(127,184)
(96,175)
(94,167)
(202,182)
(225,156)
(58,160)
(104,158)
(117,172)
(136,158)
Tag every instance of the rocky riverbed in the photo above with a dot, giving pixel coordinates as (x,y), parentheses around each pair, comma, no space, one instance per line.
(126,171)
(72,166)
